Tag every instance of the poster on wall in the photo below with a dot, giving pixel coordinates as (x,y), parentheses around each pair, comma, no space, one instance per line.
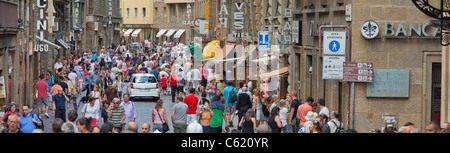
(2,87)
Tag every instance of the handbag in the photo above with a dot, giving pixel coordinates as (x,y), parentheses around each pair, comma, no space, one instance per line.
(165,125)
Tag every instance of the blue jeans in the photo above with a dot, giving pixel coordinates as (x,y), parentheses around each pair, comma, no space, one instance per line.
(158,127)
(206,129)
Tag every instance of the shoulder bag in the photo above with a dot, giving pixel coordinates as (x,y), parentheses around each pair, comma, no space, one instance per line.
(165,125)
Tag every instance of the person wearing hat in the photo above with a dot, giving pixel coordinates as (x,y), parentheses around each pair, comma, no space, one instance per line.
(310,117)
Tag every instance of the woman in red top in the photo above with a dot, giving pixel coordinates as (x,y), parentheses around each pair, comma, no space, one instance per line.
(173,86)
(164,85)
(12,110)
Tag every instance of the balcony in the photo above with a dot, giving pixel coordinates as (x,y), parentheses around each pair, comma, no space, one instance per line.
(8,21)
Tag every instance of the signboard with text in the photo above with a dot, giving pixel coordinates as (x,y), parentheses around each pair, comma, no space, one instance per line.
(358,72)
(332,67)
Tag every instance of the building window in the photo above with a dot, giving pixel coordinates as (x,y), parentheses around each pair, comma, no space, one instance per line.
(182,9)
(165,12)
(144,12)
(156,11)
(135,12)
(128,12)
(173,10)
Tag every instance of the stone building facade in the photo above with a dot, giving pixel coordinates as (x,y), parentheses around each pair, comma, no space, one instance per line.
(102,24)
(406,42)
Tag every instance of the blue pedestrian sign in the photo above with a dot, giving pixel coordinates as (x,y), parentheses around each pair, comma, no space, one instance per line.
(334,46)
(263,40)
(334,43)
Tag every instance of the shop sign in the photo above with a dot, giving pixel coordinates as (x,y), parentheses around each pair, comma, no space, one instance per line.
(371,29)
(207,13)
(44,22)
(110,9)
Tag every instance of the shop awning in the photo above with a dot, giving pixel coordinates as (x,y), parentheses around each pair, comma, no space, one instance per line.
(136,32)
(48,42)
(278,72)
(128,32)
(64,44)
(170,32)
(179,33)
(161,32)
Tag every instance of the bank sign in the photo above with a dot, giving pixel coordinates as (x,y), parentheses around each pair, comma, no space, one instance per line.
(371,30)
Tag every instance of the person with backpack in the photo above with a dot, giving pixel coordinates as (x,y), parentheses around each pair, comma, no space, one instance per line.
(29,121)
(10,110)
(230,101)
(336,126)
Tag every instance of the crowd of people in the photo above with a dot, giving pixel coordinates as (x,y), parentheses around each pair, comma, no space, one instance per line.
(102,75)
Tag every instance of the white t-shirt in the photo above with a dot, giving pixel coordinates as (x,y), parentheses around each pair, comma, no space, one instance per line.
(325,111)
(195,74)
(73,77)
(283,116)
(58,65)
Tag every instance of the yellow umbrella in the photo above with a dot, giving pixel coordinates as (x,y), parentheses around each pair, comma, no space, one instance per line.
(211,49)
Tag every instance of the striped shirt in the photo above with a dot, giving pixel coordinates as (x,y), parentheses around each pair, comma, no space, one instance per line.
(116,115)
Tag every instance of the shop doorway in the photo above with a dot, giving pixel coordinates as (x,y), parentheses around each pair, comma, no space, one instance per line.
(436,92)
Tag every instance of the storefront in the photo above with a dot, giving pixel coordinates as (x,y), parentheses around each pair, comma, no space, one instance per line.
(138,32)
(402,40)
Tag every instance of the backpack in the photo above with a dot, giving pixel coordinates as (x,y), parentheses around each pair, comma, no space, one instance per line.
(265,111)
(339,129)
(42,121)
(232,98)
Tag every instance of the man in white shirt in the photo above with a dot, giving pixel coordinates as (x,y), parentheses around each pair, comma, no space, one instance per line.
(73,77)
(58,65)
(323,108)
(196,77)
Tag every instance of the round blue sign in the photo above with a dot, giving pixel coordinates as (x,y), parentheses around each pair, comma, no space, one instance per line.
(334,46)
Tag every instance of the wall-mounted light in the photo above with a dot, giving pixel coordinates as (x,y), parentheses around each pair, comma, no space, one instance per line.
(20,26)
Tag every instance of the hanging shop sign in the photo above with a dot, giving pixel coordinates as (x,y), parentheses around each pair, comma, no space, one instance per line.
(207,13)
(44,22)
(371,29)
(76,15)
(110,9)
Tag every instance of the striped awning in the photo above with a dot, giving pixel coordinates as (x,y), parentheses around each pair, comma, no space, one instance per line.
(170,32)
(136,32)
(161,32)
(128,32)
(179,33)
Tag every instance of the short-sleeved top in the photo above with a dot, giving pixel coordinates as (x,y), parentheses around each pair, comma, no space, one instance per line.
(303,110)
(116,115)
(180,110)
(161,113)
(294,104)
(205,119)
(226,93)
(217,119)
(110,94)
(26,123)
(41,87)
(191,101)
(54,89)
(163,82)
(60,101)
